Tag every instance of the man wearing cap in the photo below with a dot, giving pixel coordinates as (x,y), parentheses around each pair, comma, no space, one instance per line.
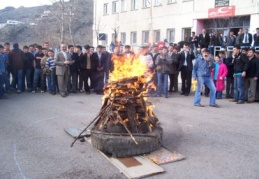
(62,61)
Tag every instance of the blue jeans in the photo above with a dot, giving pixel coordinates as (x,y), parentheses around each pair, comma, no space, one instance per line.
(28,79)
(1,85)
(162,85)
(17,79)
(7,82)
(210,84)
(53,81)
(38,75)
(239,88)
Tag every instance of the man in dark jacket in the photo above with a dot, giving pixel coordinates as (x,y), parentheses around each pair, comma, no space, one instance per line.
(252,75)
(16,59)
(230,78)
(87,68)
(28,67)
(204,39)
(74,68)
(186,66)
(173,68)
(241,64)
(256,37)
(99,64)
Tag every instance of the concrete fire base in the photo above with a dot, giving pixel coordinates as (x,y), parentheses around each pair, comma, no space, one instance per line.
(137,166)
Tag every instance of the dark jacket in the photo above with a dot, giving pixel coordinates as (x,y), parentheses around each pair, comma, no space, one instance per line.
(99,64)
(230,66)
(250,39)
(204,42)
(173,68)
(190,57)
(231,41)
(256,40)
(241,63)
(74,67)
(28,60)
(253,69)
(83,62)
(194,41)
(216,40)
(16,59)
(162,65)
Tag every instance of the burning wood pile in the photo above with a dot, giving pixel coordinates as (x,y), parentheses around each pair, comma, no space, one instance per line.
(126,124)
(125,106)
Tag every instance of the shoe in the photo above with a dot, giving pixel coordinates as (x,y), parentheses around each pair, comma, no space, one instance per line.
(215,106)
(165,96)
(249,101)
(187,94)
(87,92)
(182,93)
(81,91)
(170,91)
(63,95)
(233,100)
(175,91)
(18,91)
(42,91)
(240,102)
(3,97)
(227,96)
(33,91)
(199,105)
(99,93)
(206,95)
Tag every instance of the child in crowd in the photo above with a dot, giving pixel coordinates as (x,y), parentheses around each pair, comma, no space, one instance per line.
(218,74)
(50,65)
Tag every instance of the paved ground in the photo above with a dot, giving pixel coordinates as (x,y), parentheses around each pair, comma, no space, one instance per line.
(217,143)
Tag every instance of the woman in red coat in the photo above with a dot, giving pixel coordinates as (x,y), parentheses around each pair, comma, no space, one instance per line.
(218,74)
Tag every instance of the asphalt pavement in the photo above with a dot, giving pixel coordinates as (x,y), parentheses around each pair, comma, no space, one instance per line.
(217,142)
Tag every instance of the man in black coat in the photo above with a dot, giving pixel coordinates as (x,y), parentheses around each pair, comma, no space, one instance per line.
(74,68)
(193,41)
(185,67)
(204,39)
(230,77)
(256,37)
(100,65)
(246,38)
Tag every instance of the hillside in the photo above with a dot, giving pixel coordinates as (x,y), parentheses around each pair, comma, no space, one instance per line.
(38,27)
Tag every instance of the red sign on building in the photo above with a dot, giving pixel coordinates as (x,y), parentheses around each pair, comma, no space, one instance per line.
(222,12)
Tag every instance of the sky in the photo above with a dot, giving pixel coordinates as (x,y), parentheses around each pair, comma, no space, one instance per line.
(25,3)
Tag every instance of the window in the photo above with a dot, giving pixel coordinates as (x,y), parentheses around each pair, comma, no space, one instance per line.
(171,1)
(123,5)
(158,3)
(134,4)
(145,37)
(146,3)
(170,35)
(105,9)
(115,7)
(156,35)
(133,38)
(123,38)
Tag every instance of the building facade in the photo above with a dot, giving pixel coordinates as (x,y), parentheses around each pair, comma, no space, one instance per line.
(139,22)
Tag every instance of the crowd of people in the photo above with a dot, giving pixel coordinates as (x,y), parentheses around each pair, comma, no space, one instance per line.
(84,69)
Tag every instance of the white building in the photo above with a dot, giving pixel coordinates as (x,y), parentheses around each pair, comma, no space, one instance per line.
(138,22)
(13,22)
